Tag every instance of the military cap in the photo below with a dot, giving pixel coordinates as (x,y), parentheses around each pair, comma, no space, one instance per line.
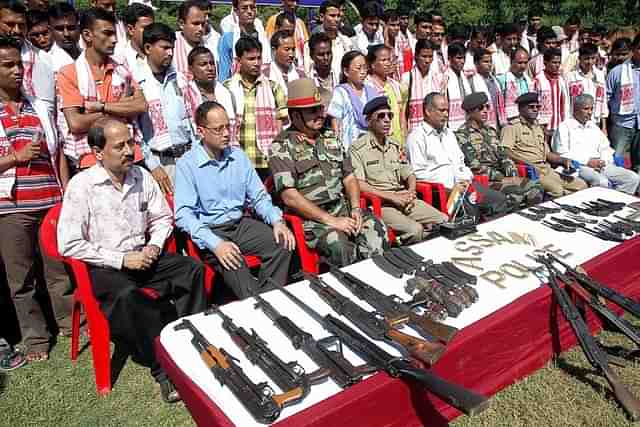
(474,100)
(527,98)
(303,93)
(376,104)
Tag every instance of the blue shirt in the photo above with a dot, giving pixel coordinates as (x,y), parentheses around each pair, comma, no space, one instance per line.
(614,94)
(225,55)
(210,192)
(173,110)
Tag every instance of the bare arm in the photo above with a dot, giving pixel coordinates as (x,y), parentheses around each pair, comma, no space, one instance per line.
(7,162)
(129,106)
(79,122)
(63,170)
(352,189)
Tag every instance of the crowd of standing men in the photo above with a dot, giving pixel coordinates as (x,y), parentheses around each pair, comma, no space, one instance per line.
(123,119)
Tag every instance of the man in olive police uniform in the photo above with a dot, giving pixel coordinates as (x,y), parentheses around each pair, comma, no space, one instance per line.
(525,142)
(382,170)
(314,178)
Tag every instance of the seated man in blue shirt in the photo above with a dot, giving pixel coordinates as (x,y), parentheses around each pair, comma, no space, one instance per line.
(215,183)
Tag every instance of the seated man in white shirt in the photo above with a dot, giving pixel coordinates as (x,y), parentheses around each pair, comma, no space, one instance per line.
(581,140)
(433,149)
(107,214)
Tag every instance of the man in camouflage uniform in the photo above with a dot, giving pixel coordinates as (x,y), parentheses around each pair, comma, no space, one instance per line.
(484,155)
(314,178)
(524,141)
(382,170)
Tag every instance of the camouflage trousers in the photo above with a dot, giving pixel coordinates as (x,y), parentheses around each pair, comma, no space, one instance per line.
(522,191)
(341,249)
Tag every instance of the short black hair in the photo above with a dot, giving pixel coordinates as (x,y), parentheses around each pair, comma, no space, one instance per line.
(197,51)
(278,36)
(135,11)
(203,110)
(35,17)
(184,8)
(599,29)
(96,135)
(246,44)
(423,44)
(479,53)
(457,31)
(544,34)
(479,31)
(157,31)
(370,9)
(508,28)
(62,10)
(329,3)
(390,14)
(89,17)
(587,49)
(551,53)
(535,10)
(14,6)
(422,17)
(456,49)
(8,42)
(573,20)
(316,39)
(622,43)
(636,42)
(346,61)
(372,52)
(285,16)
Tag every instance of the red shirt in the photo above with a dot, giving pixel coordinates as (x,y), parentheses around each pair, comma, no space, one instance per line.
(36,187)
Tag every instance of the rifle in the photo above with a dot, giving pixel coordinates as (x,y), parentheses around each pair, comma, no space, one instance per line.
(341,371)
(461,398)
(598,288)
(374,326)
(290,377)
(393,307)
(258,399)
(592,350)
(429,289)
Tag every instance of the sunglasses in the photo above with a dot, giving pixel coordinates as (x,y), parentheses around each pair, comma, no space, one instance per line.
(484,107)
(385,115)
(533,106)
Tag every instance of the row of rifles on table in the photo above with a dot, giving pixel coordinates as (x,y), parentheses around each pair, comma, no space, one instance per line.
(590,217)
(383,324)
(591,292)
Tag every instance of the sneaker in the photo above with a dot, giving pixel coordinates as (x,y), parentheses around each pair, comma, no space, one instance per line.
(12,360)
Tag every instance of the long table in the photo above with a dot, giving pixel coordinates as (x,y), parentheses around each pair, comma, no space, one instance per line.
(507,335)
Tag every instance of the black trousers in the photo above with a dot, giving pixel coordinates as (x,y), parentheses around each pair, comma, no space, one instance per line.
(134,318)
(253,238)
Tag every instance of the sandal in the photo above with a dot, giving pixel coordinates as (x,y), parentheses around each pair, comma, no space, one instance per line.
(37,356)
(169,392)
(12,360)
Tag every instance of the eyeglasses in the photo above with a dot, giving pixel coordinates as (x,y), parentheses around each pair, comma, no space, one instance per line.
(220,129)
(385,115)
(484,107)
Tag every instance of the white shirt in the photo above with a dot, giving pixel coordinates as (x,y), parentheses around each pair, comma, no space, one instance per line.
(436,157)
(59,58)
(99,224)
(211,42)
(361,41)
(590,86)
(229,22)
(501,62)
(581,142)
(41,77)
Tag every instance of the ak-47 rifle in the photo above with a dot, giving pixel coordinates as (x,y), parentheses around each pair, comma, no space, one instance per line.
(592,350)
(374,325)
(598,288)
(459,397)
(290,377)
(393,307)
(326,353)
(258,399)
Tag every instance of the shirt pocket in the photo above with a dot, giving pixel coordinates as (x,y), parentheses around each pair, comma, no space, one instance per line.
(309,173)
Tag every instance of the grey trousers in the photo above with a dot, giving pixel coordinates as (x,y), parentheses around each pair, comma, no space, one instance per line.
(621,179)
(253,238)
(30,275)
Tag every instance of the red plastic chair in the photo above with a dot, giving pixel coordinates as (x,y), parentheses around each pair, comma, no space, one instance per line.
(433,193)
(375,203)
(98,327)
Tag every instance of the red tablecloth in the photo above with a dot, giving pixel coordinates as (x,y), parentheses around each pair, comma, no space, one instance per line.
(486,356)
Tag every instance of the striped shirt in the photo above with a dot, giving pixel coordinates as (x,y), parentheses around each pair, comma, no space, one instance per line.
(36,187)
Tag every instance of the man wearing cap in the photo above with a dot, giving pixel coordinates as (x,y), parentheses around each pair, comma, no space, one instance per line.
(381,169)
(484,154)
(314,178)
(215,183)
(525,142)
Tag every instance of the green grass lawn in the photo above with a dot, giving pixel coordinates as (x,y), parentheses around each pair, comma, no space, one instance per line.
(55,393)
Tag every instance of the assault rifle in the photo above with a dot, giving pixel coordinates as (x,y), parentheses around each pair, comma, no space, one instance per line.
(258,399)
(393,307)
(322,352)
(459,397)
(374,325)
(290,377)
(592,350)
(598,288)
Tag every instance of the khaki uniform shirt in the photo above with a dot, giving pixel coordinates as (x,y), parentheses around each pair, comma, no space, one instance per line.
(525,142)
(381,166)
